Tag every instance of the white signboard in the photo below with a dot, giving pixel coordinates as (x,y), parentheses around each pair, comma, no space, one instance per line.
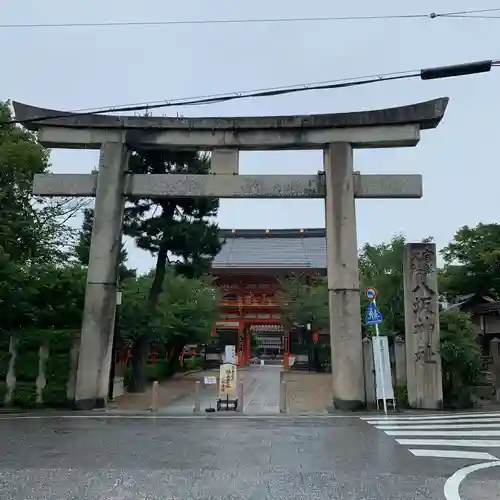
(383,377)
(230,354)
(227,380)
(210,380)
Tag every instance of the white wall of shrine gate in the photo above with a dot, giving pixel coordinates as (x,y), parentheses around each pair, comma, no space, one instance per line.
(336,134)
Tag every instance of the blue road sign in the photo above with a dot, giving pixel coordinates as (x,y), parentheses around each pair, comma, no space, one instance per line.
(373,316)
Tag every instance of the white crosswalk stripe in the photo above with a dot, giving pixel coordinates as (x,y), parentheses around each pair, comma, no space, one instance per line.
(444,436)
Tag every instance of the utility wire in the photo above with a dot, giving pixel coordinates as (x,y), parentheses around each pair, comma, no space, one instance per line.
(179,101)
(476,17)
(423,74)
(116,24)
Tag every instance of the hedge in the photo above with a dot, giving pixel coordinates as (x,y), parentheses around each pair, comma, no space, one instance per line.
(26,368)
(57,367)
(160,370)
(4,364)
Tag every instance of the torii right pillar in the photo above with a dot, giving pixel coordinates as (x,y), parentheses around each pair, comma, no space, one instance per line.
(343,279)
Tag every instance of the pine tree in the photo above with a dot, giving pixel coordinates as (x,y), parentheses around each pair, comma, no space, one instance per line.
(179,231)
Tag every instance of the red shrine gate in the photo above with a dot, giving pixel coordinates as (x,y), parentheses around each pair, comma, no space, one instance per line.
(248,270)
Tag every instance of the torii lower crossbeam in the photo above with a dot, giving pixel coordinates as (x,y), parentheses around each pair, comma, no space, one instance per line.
(229,186)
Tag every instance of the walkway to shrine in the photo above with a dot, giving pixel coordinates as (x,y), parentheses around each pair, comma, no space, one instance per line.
(260,396)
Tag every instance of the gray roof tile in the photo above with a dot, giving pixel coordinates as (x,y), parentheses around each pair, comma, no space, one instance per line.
(278,248)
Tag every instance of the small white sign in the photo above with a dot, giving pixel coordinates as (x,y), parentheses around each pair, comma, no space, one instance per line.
(383,377)
(230,354)
(210,380)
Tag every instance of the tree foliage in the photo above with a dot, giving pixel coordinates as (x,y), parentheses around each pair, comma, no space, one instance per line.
(381,267)
(472,262)
(184,313)
(32,229)
(304,299)
(177,230)
(461,358)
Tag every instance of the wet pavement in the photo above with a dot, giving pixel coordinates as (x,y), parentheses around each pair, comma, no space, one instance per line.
(260,395)
(263,397)
(222,457)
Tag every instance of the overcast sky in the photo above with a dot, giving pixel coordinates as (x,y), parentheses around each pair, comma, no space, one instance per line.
(75,68)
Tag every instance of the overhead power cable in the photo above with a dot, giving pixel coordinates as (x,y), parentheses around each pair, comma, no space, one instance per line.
(423,74)
(117,24)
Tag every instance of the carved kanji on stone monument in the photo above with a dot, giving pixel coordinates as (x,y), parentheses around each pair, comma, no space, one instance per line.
(424,302)
(422,326)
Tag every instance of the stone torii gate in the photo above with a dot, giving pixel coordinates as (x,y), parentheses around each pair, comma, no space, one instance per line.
(336,134)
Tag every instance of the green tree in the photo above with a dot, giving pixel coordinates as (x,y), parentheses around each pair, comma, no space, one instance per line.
(461,358)
(183,314)
(82,247)
(304,299)
(179,231)
(20,158)
(381,267)
(32,229)
(472,262)
(34,235)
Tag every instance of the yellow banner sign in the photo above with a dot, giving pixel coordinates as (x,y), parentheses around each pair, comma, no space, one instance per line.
(227,380)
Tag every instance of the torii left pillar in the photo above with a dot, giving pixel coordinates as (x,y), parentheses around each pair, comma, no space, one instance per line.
(96,341)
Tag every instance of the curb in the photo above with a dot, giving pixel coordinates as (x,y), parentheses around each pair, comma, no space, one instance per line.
(185,374)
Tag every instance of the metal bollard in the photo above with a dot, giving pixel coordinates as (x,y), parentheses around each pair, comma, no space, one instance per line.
(154,395)
(240,398)
(197,397)
(283,398)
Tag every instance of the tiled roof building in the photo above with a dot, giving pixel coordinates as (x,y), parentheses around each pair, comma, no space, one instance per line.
(298,249)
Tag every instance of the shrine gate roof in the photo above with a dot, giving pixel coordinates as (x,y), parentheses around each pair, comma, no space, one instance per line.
(271,249)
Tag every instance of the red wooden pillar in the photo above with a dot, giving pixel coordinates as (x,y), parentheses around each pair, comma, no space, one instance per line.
(248,344)
(241,344)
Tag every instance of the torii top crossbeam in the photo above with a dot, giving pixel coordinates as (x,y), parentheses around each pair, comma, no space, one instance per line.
(391,127)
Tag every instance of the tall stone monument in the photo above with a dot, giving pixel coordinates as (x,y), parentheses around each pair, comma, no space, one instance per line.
(423,359)
(336,134)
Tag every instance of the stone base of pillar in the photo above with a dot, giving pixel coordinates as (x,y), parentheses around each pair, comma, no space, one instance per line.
(348,405)
(88,404)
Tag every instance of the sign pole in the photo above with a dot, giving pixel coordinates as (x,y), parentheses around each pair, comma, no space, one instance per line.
(374,317)
(380,364)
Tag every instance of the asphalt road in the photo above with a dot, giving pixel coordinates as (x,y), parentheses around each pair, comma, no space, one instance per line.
(220,457)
